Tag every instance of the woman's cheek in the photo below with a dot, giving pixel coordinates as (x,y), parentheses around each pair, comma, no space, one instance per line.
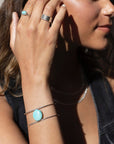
(73,7)
(82,9)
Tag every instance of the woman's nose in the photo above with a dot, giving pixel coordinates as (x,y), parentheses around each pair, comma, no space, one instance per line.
(108,9)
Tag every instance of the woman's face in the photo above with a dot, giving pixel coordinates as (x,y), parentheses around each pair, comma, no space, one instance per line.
(92,21)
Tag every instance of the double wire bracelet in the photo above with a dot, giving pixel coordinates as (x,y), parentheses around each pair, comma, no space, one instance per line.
(38,114)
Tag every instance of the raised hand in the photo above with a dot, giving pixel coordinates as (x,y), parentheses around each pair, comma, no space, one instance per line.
(33,41)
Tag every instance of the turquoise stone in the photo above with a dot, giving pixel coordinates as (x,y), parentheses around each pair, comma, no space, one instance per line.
(37,115)
(24,13)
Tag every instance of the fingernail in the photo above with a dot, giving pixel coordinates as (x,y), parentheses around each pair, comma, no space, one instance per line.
(13,15)
(63,5)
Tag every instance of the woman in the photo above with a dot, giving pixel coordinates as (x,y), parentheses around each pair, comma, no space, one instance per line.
(52,76)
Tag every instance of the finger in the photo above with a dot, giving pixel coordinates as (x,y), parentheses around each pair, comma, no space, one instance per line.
(49,11)
(28,8)
(58,20)
(37,12)
(13,28)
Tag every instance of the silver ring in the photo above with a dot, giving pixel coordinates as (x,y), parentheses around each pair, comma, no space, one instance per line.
(25,13)
(46,18)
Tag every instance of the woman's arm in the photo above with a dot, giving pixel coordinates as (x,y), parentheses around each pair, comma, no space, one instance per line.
(9,132)
(46,131)
(34,46)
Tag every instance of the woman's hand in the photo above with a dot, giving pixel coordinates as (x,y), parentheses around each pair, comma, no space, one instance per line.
(32,40)
(33,43)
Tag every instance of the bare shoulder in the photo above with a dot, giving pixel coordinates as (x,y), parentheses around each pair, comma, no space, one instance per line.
(8,128)
(5,108)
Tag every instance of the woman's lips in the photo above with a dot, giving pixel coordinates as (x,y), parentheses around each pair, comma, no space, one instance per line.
(104,28)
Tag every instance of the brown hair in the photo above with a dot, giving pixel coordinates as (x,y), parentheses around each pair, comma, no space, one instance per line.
(99,60)
(8,64)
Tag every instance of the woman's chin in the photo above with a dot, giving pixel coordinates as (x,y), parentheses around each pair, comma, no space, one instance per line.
(98,45)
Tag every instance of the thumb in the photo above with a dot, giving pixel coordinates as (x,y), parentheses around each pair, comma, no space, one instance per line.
(13,28)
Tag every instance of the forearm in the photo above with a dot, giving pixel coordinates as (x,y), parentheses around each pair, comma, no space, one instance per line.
(46,131)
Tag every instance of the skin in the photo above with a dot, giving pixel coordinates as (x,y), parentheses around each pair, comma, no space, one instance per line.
(33,43)
(87,15)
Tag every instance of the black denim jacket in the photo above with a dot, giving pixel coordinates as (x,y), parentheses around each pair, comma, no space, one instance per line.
(104,102)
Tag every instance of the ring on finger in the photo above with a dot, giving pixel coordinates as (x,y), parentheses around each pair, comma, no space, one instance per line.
(46,18)
(25,13)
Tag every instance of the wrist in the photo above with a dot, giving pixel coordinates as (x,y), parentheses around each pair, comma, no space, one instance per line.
(34,87)
(34,76)
(29,82)
(36,95)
